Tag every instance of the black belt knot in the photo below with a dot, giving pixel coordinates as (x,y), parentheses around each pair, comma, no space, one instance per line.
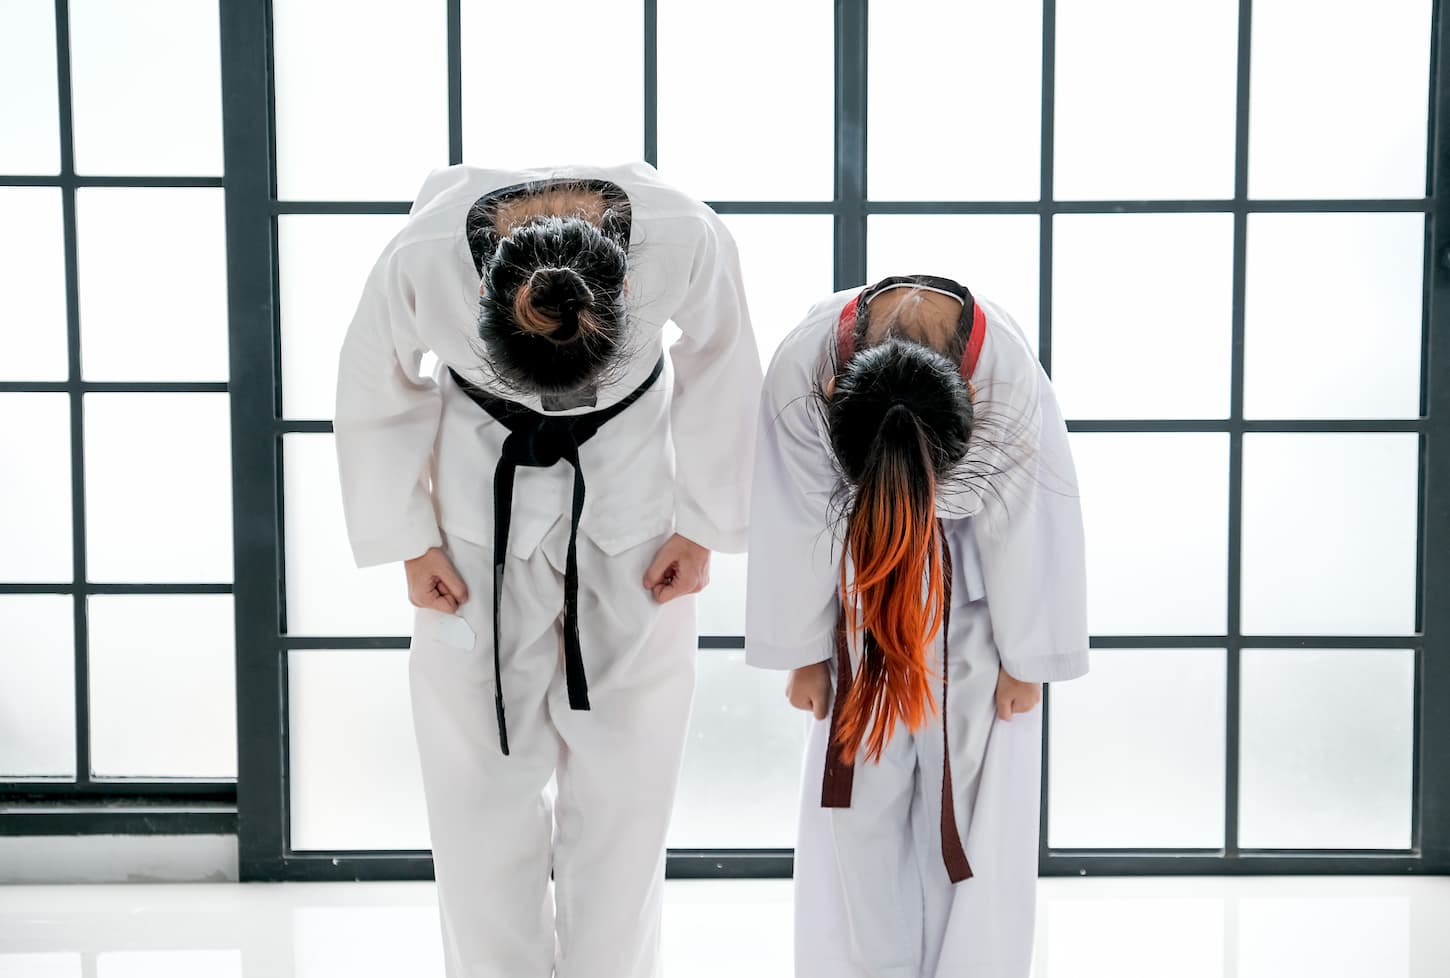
(539,446)
(541,441)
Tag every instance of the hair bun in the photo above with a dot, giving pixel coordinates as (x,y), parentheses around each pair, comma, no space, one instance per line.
(551,301)
(556,290)
(552,315)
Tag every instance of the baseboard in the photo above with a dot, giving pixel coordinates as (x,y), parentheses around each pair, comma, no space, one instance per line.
(118,859)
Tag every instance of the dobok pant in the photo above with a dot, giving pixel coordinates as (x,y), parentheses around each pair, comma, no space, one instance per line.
(584,795)
(873,898)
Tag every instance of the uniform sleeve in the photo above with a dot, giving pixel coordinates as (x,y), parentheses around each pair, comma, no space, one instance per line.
(1030,533)
(385,424)
(791,604)
(717,386)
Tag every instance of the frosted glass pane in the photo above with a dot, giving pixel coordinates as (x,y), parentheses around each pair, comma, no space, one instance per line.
(323,262)
(362,97)
(788,264)
(32,280)
(1339,98)
(354,942)
(1327,749)
(354,775)
(135,324)
(1091,936)
(54,965)
(326,593)
(1145,99)
(169,964)
(29,116)
(741,782)
(1155,509)
(1136,758)
(35,499)
(158,488)
(146,80)
(1141,314)
(722,603)
(1329,534)
(38,696)
(163,686)
(585,57)
(1327,937)
(954,116)
(994,255)
(732,132)
(1333,312)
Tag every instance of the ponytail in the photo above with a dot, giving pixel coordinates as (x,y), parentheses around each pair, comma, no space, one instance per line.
(899,416)
(890,537)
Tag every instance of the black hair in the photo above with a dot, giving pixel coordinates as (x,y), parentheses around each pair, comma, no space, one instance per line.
(552,313)
(899,416)
(899,398)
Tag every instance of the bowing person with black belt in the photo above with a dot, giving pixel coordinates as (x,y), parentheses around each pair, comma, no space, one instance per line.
(554,490)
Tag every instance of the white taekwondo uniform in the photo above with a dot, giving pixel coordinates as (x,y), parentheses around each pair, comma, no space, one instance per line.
(417,459)
(874,898)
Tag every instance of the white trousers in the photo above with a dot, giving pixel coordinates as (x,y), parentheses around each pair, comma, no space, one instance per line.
(585,796)
(873,899)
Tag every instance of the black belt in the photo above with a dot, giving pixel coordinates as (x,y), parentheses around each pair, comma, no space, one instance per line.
(541,441)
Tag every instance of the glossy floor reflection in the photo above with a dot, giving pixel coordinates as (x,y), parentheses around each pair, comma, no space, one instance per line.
(1097,928)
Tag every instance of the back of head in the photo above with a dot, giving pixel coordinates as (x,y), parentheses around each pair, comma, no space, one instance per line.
(890,394)
(552,310)
(900,416)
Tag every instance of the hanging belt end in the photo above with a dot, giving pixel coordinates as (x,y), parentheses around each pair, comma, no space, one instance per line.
(503,729)
(838,781)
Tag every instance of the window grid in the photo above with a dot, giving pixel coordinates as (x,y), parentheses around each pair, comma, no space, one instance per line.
(183,805)
(252,209)
(850,210)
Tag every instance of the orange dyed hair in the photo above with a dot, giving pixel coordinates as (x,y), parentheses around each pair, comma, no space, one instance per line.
(896,594)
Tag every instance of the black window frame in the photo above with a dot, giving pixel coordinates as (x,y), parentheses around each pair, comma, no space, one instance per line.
(88,804)
(257,805)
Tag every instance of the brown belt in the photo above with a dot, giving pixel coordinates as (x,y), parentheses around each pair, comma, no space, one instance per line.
(839,777)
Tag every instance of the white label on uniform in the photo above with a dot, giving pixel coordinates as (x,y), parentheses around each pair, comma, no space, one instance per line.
(454,631)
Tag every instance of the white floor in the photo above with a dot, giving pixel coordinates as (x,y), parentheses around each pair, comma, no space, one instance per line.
(1088,928)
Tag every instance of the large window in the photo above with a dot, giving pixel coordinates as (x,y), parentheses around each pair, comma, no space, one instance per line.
(1213,217)
(117,676)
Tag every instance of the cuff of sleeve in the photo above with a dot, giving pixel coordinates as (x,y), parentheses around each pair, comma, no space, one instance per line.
(765,655)
(1047,668)
(404,543)
(692,525)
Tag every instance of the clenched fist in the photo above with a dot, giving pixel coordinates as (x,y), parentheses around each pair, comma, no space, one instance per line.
(809,689)
(681,567)
(1015,696)
(434,583)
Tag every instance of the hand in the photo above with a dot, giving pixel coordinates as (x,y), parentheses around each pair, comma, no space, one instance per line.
(434,583)
(1015,696)
(809,689)
(681,567)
